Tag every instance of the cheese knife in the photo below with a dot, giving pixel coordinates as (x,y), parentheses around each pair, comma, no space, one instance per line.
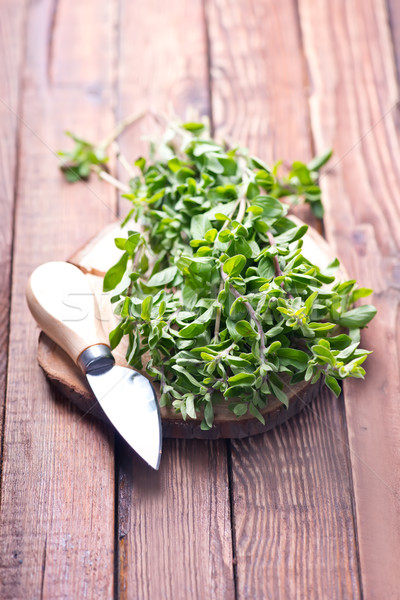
(63,304)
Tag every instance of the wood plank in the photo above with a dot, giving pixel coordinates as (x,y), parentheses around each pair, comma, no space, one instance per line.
(175,530)
(174,525)
(394,23)
(57,520)
(12,26)
(293,520)
(292,505)
(258,78)
(353,108)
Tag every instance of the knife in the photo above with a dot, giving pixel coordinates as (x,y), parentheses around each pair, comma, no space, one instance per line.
(63,304)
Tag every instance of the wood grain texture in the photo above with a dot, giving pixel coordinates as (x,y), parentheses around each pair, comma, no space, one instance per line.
(354,106)
(162,68)
(393,8)
(292,511)
(291,497)
(257,71)
(174,525)
(12,28)
(187,552)
(255,85)
(57,519)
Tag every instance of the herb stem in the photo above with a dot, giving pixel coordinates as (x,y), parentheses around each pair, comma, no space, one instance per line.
(123,160)
(253,315)
(122,125)
(242,209)
(218,316)
(278,270)
(217,323)
(225,352)
(163,381)
(110,179)
(241,203)
(226,223)
(251,312)
(134,265)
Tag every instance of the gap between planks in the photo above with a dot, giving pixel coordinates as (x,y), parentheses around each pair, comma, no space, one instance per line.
(183,510)
(10,98)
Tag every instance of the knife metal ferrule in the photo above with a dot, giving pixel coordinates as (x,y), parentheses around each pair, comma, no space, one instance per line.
(96,360)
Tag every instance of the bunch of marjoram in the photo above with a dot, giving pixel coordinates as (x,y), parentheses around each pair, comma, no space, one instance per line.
(215,291)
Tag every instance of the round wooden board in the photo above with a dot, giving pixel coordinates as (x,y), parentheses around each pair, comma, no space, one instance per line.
(94,259)
(69,380)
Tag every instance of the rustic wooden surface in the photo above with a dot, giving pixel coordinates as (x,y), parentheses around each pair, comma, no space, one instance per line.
(357,111)
(12,50)
(310,510)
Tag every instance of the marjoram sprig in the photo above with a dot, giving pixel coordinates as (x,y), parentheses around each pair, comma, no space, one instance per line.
(214,293)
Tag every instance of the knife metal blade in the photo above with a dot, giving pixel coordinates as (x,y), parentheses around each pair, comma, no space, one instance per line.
(126,396)
(128,399)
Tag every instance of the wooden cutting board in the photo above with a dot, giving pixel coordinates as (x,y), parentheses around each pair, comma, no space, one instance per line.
(94,259)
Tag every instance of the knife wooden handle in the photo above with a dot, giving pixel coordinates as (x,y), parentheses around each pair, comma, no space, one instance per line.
(63,304)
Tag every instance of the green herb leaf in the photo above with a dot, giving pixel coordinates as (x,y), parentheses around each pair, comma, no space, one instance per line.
(319,161)
(256,413)
(193,330)
(241,379)
(234,265)
(245,329)
(280,395)
(358,317)
(162,277)
(146,308)
(116,336)
(240,409)
(333,385)
(115,274)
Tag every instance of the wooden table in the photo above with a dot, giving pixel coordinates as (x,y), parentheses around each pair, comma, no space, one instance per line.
(307,511)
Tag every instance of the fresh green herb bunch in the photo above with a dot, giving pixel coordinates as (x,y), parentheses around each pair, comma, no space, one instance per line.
(215,292)
(78,163)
